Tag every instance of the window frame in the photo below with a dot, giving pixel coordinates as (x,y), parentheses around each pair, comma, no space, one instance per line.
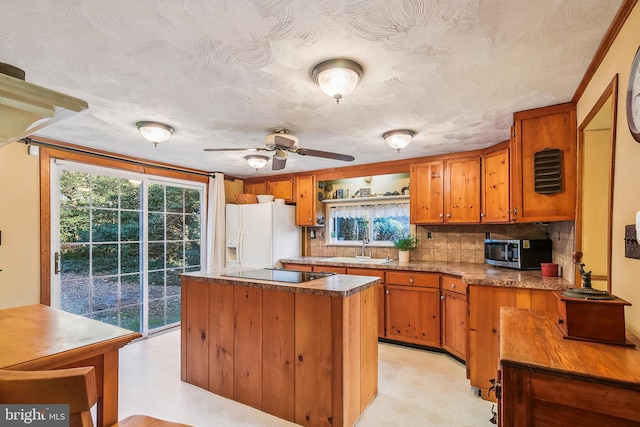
(362,201)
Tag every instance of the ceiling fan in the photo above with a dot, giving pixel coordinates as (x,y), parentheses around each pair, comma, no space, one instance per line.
(284,143)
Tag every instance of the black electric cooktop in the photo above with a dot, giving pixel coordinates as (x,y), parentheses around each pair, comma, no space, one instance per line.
(289,276)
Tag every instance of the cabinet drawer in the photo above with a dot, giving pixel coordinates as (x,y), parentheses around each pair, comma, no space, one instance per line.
(429,280)
(453,284)
(298,267)
(329,269)
(367,272)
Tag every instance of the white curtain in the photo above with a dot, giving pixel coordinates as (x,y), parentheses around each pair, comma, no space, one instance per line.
(215,222)
(365,211)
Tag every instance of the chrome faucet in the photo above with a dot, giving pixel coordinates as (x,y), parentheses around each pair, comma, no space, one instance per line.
(365,242)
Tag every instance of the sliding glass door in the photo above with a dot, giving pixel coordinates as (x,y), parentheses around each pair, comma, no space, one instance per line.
(120,242)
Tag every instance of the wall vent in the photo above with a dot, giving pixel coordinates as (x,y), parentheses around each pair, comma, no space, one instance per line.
(547,166)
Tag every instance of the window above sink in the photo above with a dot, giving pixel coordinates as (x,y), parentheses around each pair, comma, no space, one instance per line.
(377,222)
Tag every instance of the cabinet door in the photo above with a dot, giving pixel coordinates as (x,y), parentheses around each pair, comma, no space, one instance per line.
(255,187)
(413,314)
(306,201)
(281,189)
(496,187)
(462,190)
(426,197)
(536,130)
(454,323)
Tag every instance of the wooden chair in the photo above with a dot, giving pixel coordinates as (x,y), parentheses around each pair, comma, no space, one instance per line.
(73,386)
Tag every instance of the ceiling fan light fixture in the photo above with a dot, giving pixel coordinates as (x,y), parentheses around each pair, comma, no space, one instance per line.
(155,132)
(256,161)
(337,77)
(398,138)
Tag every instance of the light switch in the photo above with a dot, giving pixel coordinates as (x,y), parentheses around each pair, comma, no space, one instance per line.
(631,246)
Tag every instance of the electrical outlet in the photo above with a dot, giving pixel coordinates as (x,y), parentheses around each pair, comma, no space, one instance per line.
(631,246)
(429,236)
(487,235)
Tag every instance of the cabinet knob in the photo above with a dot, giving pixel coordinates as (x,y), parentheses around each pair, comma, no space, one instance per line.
(448,215)
(482,215)
(453,285)
(440,215)
(410,279)
(386,291)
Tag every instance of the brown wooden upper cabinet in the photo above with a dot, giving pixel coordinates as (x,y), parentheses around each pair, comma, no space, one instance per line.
(446,191)
(259,187)
(496,185)
(537,133)
(305,201)
(282,189)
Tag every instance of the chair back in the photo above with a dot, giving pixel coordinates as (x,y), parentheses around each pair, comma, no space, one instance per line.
(73,386)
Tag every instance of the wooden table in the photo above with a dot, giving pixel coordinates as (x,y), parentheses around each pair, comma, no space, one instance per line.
(551,381)
(38,337)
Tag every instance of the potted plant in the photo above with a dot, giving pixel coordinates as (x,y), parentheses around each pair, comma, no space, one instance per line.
(403,245)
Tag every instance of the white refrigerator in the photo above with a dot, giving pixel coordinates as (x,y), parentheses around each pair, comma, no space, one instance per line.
(260,234)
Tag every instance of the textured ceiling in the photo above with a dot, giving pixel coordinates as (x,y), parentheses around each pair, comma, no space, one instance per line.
(227,73)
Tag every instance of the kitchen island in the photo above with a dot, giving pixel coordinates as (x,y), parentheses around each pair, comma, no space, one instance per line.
(447,305)
(305,351)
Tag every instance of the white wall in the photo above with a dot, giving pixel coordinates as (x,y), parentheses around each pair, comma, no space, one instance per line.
(625,272)
(20,226)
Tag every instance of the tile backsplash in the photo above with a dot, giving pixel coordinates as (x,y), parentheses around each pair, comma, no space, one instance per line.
(465,243)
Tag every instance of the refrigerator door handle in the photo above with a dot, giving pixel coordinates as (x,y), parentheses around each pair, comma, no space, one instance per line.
(239,248)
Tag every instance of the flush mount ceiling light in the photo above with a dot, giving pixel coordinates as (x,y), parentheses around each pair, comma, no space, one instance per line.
(399,138)
(256,161)
(155,132)
(337,77)
(26,108)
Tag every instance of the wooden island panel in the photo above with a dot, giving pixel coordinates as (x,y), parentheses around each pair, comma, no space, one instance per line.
(302,356)
(221,333)
(278,353)
(248,346)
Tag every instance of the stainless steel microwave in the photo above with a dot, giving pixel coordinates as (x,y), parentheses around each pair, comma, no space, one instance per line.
(523,254)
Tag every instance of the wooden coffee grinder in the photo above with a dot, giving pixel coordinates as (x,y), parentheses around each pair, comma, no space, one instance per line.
(589,314)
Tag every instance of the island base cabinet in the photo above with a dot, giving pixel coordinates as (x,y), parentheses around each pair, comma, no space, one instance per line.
(484,325)
(307,358)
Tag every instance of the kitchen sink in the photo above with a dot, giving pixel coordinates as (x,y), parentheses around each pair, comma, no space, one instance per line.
(354,260)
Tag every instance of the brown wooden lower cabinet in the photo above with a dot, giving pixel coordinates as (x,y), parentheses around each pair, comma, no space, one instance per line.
(484,324)
(555,382)
(311,359)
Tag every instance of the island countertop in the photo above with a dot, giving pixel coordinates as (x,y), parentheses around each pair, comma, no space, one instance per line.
(334,285)
(470,273)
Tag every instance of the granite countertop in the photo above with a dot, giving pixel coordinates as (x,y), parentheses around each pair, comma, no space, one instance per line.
(472,274)
(335,285)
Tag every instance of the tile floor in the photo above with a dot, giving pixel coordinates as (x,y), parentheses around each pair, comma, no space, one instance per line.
(416,388)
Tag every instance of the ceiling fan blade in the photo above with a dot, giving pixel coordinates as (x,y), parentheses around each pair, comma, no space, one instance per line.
(235,149)
(283,142)
(325,154)
(278,163)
